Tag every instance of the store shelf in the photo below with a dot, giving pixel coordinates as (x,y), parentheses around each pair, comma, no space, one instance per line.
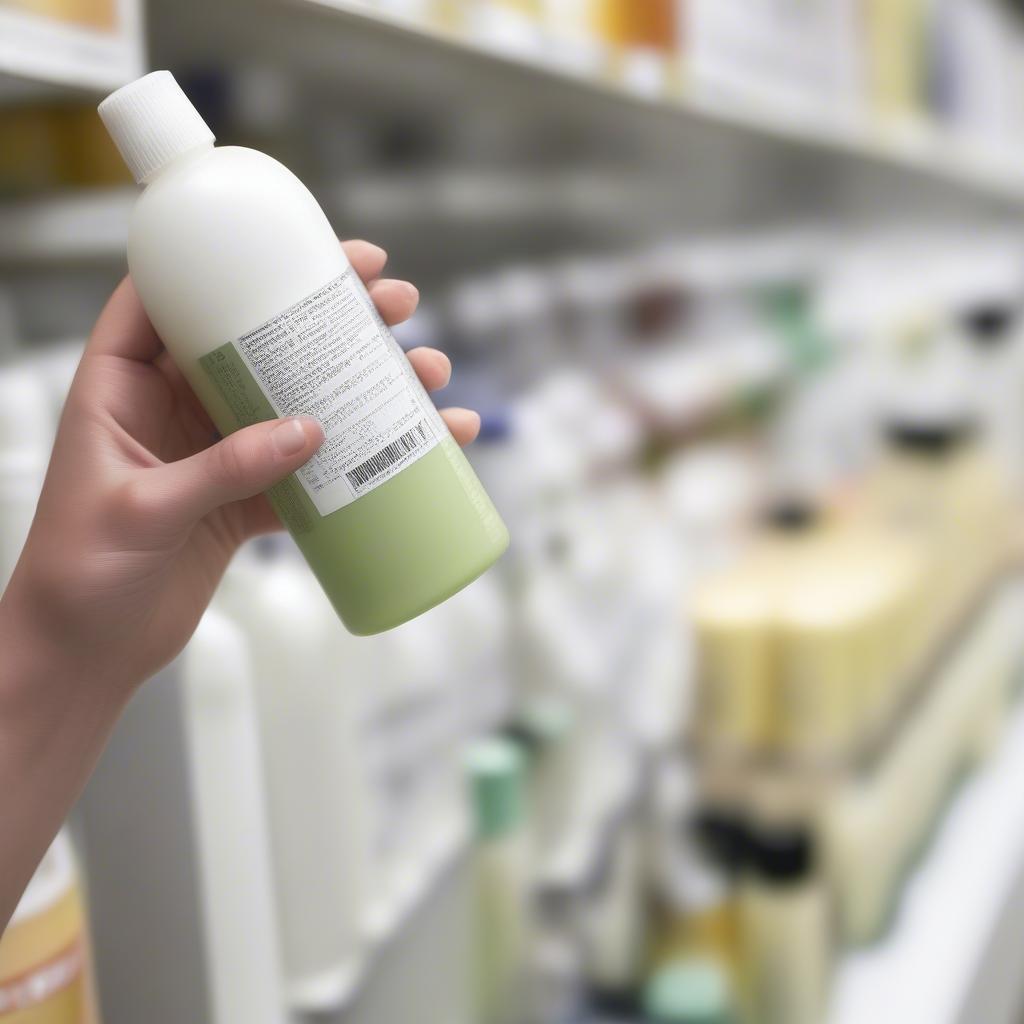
(918,149)
(39,53)
(381,54)
(446,856)
(86,227)
(952,956)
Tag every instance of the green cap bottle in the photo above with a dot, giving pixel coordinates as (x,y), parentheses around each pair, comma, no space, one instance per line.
(495,770)
(691,991)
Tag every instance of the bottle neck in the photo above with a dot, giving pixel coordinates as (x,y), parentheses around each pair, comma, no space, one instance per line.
(190,156)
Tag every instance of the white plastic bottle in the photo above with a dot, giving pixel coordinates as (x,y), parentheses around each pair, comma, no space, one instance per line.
(225,768)
(305,698)
(246,284)
(26,433)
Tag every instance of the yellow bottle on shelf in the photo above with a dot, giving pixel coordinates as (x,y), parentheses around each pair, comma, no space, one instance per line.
(650,24)
(45,973)
(824,634)
(734,621)
(644,38)
(786,928)
(896,32)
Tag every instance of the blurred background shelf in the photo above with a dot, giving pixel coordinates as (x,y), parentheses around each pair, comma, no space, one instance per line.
(918,150)
(66,229)
(748,344)
(951,957)
(41,52)
(689,137)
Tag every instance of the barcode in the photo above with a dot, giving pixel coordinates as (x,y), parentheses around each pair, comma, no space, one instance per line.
(387,457)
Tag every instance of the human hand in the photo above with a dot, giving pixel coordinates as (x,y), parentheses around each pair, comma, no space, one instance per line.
(142,508)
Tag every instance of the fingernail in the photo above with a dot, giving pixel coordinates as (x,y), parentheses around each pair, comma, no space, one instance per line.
(288,438)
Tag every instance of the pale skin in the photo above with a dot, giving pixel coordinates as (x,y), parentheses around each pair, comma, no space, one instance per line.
(142,510)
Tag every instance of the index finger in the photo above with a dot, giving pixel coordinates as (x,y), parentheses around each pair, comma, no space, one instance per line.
(123,329)
(367,259)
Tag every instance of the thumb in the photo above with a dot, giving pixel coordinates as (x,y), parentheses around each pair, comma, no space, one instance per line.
(243,464)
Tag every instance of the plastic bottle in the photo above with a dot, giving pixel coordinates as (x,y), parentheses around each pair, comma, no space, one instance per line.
(495,770)
(26,433)
(614,921)
(645,33)
(307,672)
(509,26)
(735,623)
(236,878)
(244,280)
(786,934)
(45,977)
(689,991)
(572,36)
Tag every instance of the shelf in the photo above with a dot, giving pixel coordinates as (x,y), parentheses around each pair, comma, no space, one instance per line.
(951,957)
(387,57)
(448,855)
(39,53)
(75,228)
(919,148)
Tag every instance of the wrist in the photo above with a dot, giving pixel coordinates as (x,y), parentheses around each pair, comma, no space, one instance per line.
(43,665)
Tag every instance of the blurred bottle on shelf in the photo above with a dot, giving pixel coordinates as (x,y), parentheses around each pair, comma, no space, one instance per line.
(45,952)
(802,58)
(547,725)
(513,27)
(614,922)
(693,880)
(689,991)
(572,39)
(734,617)
(500,877)
(310,742)
(643,38)
(786,929)
(226,773)
(897,33)
(55,147)
(26,435)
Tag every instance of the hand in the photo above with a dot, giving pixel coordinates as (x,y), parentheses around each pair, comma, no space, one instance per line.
(142,509)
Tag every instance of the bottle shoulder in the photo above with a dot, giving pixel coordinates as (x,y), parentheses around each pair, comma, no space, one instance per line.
(224,241)
(223,175)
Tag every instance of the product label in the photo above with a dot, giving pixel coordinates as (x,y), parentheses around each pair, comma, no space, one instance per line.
(331,356)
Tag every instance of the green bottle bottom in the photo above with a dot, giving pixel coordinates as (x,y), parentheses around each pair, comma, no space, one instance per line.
(391,554)
(406,546)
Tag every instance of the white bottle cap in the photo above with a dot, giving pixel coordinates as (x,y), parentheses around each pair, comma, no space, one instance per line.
(152,123)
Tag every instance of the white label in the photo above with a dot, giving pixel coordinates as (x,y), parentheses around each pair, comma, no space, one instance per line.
(331,356)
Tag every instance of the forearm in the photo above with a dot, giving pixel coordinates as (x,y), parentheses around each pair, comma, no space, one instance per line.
(54,722)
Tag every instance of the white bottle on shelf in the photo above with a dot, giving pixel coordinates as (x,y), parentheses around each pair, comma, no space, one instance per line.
(26,434)
(307,673)
(236,879)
